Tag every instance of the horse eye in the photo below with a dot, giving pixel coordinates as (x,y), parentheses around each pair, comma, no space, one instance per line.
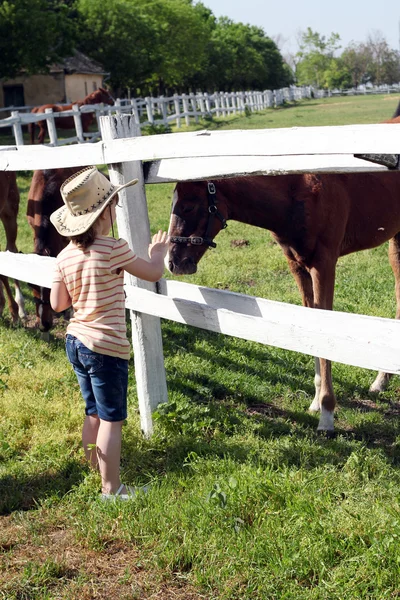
(187,208)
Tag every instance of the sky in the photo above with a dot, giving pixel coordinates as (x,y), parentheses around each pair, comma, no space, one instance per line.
(353,20)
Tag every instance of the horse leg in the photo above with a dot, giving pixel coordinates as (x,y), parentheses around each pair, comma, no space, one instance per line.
(323,278)
(382,379)
(12,305)
(304,283)
(10,225)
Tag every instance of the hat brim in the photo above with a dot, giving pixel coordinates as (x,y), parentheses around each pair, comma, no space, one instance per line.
(69,225)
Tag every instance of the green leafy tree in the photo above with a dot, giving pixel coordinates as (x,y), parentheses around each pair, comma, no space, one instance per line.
(357,60)
(121,37)
(244,57)
(315,57)
(34,34)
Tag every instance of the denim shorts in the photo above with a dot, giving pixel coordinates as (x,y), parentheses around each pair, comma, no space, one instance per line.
(103,380)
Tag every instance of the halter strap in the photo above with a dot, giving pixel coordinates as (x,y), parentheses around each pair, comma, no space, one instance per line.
(213,212)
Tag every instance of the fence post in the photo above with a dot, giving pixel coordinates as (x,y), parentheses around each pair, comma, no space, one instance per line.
(216,101)
(135,111)
(186,109)
(133,226)
(78,123)
(200,98)
(208,103)
(17,128)
(164,111)
(193,102)
(149,109)
(177,110)
(51,127)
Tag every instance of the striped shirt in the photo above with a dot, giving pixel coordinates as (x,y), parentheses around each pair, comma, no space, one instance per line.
(94,278)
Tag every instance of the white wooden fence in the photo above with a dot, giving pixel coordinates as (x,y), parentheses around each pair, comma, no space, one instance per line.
(368,342)
(156,111)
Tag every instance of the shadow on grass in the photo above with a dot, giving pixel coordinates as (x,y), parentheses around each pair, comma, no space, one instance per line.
(25,491)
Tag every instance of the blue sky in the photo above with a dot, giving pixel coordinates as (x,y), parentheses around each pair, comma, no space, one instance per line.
(353,20)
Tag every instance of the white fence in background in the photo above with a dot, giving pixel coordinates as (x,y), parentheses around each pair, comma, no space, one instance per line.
(368,342)
(150,111)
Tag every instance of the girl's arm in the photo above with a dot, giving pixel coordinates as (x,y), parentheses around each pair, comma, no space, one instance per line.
(59,298)
(151,270)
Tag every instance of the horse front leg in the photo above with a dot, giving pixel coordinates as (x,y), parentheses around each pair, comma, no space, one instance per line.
(323,278)
(305,285)
(382,379)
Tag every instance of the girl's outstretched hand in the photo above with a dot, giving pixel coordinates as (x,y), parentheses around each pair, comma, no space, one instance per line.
(159,245)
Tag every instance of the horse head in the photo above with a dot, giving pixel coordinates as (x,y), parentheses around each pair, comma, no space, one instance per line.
(198,213)
(105,96)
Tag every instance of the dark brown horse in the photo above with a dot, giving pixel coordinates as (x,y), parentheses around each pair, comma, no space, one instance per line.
(9,204)
(44,197)
(97,97)
(314,218)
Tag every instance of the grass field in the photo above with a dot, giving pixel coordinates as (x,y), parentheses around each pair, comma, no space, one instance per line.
(246,501)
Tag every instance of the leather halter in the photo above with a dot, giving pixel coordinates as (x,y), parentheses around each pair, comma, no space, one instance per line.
(213,212)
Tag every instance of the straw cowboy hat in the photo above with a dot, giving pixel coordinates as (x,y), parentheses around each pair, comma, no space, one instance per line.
(85,195)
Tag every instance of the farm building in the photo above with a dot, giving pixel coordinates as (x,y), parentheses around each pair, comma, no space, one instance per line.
(69,81)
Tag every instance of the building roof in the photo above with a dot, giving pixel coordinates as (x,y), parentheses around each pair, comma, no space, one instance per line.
(79,63)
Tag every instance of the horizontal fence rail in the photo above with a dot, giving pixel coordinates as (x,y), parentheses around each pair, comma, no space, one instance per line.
(358,340)
(275,152)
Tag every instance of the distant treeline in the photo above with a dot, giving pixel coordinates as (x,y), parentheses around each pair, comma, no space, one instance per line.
(148,47)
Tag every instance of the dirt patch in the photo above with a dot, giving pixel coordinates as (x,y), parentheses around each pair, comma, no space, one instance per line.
(56,561)
(239,243)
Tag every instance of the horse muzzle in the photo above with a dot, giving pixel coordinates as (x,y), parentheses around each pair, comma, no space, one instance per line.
(186,266)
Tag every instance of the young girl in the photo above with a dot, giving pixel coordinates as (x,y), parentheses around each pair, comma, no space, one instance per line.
(89,276)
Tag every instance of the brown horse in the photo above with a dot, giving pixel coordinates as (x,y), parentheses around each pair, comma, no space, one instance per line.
(9,204)
(97,97)
(314,218)
(44,197)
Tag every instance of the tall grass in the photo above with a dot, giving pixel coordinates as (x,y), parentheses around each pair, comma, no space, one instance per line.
(246,500)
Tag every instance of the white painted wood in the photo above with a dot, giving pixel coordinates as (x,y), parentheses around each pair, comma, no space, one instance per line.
(17,128)
(78,123)
(363,341)
(355,139)
(133,225)
(368,342)
(185,104)
(51,126)
(186,169)
(177,110)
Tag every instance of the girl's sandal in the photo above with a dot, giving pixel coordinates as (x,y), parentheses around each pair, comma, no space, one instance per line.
(131,492)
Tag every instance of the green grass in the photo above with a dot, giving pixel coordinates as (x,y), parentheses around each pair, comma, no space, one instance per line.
(246,502)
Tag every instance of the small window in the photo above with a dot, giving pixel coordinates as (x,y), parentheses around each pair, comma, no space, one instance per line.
(94,86)
(86,92)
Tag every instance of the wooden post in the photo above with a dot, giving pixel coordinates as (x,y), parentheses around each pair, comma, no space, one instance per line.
(177,110)
(164,112)
(193,102)
(17,128)
(78,123)
(135,111)
(149,109)
(133,226)
(186,109)
(51,127)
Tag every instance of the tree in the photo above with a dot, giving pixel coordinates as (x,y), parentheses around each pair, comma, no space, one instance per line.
(120,37)
(244,57)
(357,60)
(33,35)
(315,57)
